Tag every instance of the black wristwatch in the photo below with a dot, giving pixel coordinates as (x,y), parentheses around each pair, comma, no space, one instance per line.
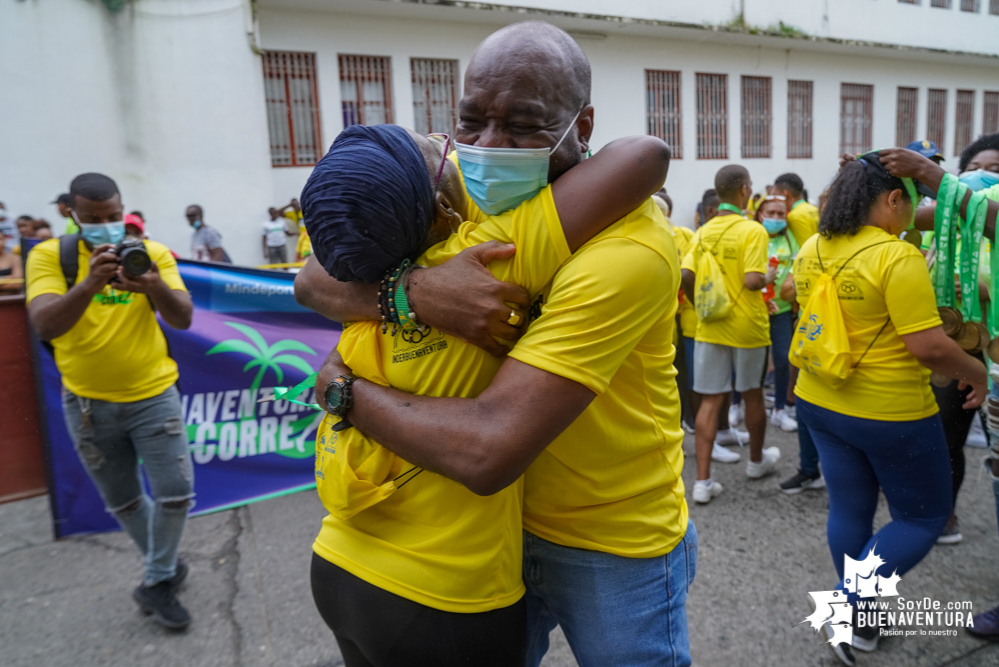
(339,398)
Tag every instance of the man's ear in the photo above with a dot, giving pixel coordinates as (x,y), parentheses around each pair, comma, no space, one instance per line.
(444,208)
(584,126)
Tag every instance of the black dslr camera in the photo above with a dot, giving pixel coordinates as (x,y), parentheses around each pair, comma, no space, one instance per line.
(133,257)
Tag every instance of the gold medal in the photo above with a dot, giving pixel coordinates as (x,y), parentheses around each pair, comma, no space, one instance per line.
(968,338)
(915,237)
(983,337)
(939,379)
(993,352)
(952,321)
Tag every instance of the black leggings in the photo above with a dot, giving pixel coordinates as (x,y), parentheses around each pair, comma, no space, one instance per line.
(956,423)
(375,628)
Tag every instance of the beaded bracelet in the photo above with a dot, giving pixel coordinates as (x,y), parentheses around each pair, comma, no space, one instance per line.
(393,305)
(403,308)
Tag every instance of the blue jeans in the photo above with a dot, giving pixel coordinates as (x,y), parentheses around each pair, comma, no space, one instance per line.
(808,455)
(110,439)
(781,332)
(626,612)
(907,460)
(688,352)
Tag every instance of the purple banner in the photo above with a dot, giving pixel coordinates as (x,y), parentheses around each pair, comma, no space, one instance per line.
(248,336)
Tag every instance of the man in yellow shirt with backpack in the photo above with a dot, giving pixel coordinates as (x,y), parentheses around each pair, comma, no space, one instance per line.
(722,276)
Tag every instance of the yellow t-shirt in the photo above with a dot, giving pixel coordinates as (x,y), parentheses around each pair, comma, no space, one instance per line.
(304,246)
(803,221)
(683,237)
(888,283)
(611,481)
(740,246)
(116,352)
(432,540)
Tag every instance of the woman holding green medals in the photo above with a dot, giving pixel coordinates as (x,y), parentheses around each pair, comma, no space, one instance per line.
(880,430)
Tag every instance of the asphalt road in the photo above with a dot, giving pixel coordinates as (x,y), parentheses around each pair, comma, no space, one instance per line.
(67,603)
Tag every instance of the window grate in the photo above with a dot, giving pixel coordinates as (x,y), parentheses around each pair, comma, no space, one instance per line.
(909,2)
(994,7)
(969,6)
(906,116)
(964,120)
(990,112)
(712,116)
(662,108)
(799,119)
(365,90)
(855,117)
(292,108)
(936,119)
(435,95)
(756,116)
(942,4)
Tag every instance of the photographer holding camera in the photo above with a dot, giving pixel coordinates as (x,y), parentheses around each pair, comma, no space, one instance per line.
(95,297)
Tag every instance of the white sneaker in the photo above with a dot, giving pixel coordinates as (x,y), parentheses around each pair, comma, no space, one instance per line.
(706,490)
(736,413)
(755,470)
(976,436)
(732,436)
(723,455)
(783,421)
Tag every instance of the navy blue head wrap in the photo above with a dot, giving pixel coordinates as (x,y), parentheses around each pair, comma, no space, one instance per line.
(368,203)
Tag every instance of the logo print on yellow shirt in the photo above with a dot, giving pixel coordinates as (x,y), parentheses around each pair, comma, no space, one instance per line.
(850,291)
(113,298)
(730,253)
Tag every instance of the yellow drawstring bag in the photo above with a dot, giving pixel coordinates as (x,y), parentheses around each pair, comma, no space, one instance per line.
(353,477)
(711,299)
(820,345)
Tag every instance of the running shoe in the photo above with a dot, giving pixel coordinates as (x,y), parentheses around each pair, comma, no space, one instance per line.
(842,651)
(976,434)
(951,533)
(732,436)
(985,625)
(764,467)
(783,421)
(800,481)
(736,414)
(705,491)
(865,638)
(723,455)
(160,602)
(687,427)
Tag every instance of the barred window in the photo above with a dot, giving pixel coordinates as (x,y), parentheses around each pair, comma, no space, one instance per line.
(964,120)
(990,112)
(969,6)
(292,108)
(712,116)
(936,119)
(799,119)
(942,4)
(662,108)
(856,113)
(994,7)
(909,2)
(756,136)
(365,90)
(906,114)
(435,95)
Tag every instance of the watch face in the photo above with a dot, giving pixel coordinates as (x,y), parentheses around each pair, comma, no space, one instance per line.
(334,396)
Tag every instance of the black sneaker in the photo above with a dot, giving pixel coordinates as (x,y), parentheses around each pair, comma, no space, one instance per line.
(179,576)
(800,481)
(865,638)
(160,601)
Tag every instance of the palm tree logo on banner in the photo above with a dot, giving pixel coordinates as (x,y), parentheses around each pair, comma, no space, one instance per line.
(271,357)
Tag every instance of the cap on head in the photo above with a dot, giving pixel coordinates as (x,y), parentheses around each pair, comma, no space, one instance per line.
(62,199)
(926,148)
(92,186)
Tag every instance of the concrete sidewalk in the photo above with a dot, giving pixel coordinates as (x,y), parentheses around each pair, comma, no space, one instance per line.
(67,603)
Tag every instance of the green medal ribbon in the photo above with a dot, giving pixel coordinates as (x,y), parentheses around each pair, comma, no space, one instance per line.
(290,393)
(729,207)
(971,248)
(945,235)
(994,303)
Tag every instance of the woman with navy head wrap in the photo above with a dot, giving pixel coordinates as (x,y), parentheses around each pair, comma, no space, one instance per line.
(371,201)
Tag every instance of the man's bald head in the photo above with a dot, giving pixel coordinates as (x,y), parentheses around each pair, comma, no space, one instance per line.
(524,86)
(543,49)
(730,180)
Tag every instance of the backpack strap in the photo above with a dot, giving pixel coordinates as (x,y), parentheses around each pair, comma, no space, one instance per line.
(69,258)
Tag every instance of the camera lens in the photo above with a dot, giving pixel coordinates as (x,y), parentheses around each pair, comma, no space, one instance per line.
(135,260)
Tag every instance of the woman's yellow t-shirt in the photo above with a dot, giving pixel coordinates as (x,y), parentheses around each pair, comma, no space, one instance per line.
(683,237)
(887,286)
(425,537)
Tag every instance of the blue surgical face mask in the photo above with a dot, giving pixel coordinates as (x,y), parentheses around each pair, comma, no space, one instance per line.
(979,179)
(499,179)
(774,225)
(197,225)
(102,232)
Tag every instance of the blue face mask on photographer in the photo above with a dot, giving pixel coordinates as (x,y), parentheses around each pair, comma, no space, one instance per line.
(499,179)
(979,179)
(774,225)
(102,232)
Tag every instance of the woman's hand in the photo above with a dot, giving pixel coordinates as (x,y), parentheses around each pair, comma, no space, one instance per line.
(903,163)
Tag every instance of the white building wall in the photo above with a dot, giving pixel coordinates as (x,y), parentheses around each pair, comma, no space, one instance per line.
(619,63)
(165,97)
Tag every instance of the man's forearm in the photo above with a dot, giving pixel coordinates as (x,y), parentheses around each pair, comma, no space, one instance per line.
(931,176)
(341,302)
(52,316)
(174,306)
